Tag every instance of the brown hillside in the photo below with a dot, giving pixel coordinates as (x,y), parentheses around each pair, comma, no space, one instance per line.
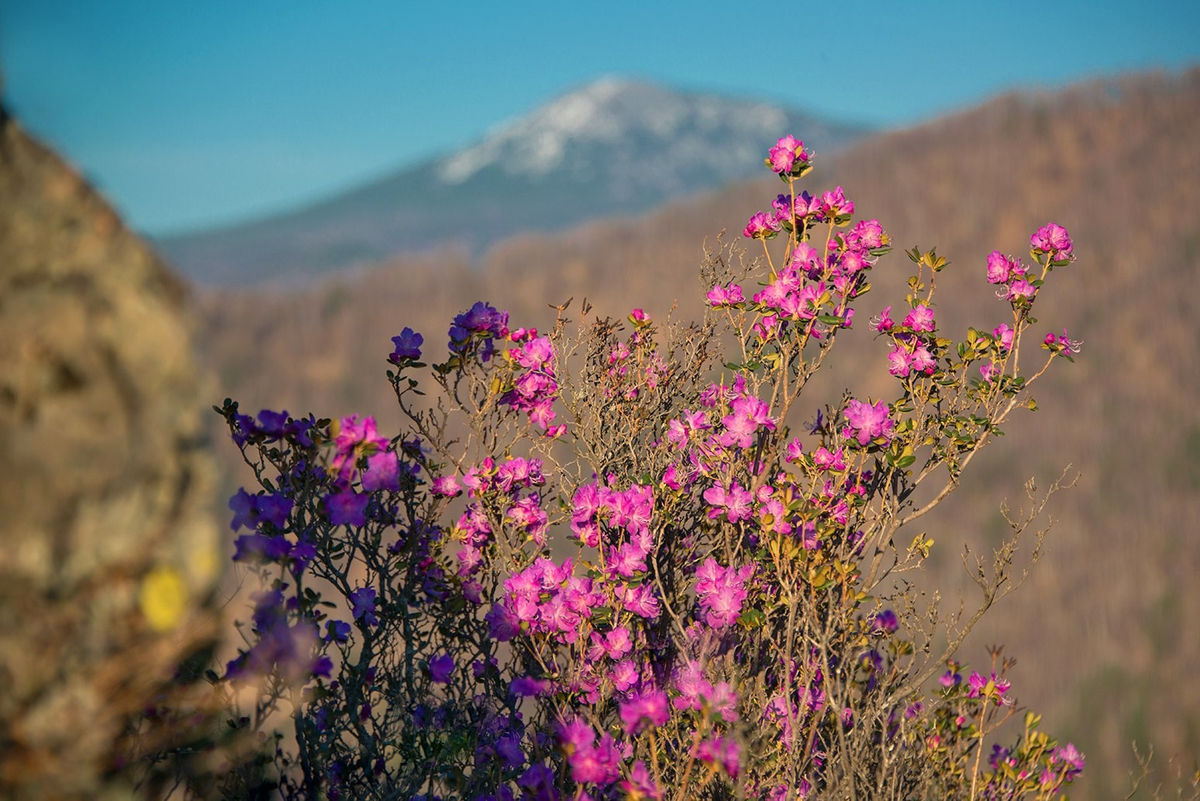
(1104,629)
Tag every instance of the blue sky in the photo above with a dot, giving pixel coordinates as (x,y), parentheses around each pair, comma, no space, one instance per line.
(194,114)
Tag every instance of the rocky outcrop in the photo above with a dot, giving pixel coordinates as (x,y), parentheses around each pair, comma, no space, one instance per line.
(108,545)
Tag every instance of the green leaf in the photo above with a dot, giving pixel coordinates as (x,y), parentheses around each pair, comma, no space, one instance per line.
(752,618)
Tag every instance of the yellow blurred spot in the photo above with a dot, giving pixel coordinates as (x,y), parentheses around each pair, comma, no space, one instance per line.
(163,598)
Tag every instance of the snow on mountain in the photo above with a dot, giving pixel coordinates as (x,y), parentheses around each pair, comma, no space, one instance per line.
(612,147)
(607,113)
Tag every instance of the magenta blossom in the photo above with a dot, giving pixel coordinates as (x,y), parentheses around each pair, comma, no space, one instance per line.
(1000,267)
(649,707)
(761,226)
(883,323)
(920,319)
(725,295)
(787,151)
(1020,291)
(1053,239)
(869,422)
(899,362)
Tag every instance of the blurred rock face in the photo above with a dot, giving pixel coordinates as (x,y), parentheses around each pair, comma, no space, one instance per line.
(108,547)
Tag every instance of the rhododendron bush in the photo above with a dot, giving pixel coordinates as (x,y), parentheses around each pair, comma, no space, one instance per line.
(625,560)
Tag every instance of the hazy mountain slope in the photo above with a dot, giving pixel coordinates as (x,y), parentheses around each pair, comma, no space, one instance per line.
(612,147)
(1104,630)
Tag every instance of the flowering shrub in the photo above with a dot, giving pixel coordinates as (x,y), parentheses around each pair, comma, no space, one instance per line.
(595,567)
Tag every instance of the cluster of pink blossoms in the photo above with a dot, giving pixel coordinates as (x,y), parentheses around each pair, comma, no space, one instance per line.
(810,284)
(1013,277)
(721,591)
(630,369)
(914,341)
(535,387)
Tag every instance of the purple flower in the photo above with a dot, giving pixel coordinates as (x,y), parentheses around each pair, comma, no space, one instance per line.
(383,472)
(347,508)
(244,510)
(362,606)
(337,631)
(272,424)
(528,686)
(440,668)
(408,346)
(886,621)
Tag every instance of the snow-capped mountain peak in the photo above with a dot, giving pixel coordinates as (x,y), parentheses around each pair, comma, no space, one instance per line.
(610,112)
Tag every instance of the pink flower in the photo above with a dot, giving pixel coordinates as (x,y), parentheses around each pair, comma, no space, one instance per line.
(725,296)
(761,226)
(650,707)
(720,592)
(883,323)
(869,422)
(833,205)
(1004,335)
(899,362)
(736,502)
(989,372)
(920,319)
(824,460)
(1021,291)
(790,208)
(869,234)
(787,151)
(999,267)
(1054,240)
(922,360)
(446,486)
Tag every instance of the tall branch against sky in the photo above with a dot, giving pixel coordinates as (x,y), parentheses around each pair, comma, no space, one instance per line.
(189,116)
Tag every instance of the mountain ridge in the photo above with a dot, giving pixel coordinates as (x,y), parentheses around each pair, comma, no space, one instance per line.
(612,147)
